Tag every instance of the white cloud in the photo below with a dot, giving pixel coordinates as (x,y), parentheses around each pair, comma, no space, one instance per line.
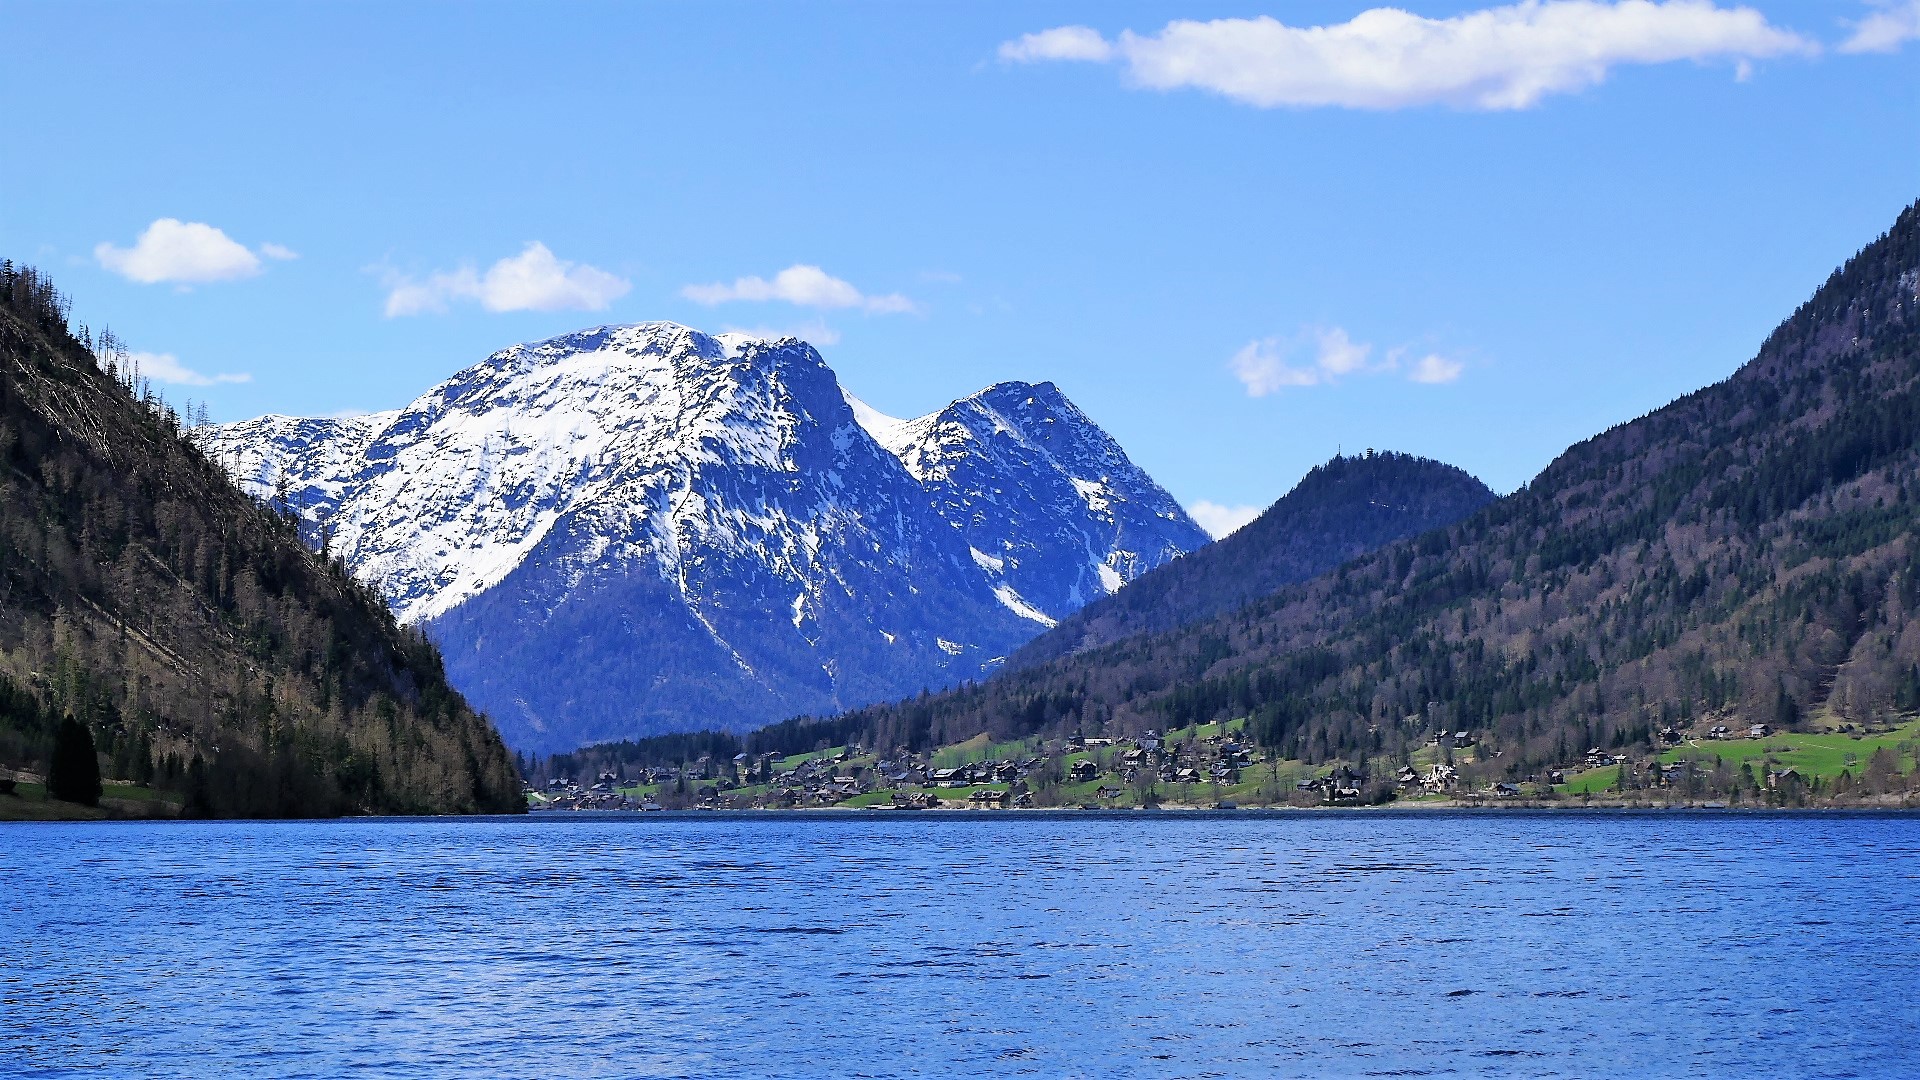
(1220,520)
(1059,43)
(1265,366)
(167,368)
(534,280)
(184,252)
(1506,57)
(801,285)
(1325,355)
(1885,30)
(278,251)
(1340,354)
(1434,368)
(1262,368)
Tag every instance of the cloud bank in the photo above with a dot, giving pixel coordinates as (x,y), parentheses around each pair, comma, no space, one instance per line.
(185,253)
(1496,58)
(801,285)
(534,280)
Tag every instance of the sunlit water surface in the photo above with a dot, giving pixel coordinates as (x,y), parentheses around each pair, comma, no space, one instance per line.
(1175,945)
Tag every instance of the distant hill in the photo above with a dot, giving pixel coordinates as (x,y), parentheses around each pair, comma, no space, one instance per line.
(212,655)
(1746,553)
(1339,511)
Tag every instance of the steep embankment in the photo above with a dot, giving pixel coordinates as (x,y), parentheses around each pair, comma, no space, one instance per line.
(211,655)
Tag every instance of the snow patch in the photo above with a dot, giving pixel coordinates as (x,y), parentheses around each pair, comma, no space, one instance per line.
(1020,607)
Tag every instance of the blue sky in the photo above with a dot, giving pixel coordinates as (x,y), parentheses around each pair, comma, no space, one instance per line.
(1476,232)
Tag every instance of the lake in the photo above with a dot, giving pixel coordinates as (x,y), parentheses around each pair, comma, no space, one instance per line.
(874,945)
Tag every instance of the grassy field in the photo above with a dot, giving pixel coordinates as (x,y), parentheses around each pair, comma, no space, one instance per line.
(796,760)
(1591,781)
(1825,755)
(1206,731)
(981,748)
(29,802)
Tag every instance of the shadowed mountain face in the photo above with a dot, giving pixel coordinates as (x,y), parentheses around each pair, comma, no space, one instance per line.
(207,650)
(1747,553)
(640,529)
(1339,511)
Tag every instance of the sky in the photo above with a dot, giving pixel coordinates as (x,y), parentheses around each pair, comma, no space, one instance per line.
(1241,237)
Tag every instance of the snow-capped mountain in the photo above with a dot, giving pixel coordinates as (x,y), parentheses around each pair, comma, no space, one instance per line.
(642,528)
(1053,511)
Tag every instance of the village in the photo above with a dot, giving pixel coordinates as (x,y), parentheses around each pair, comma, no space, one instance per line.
(1201,768)
(1208,767)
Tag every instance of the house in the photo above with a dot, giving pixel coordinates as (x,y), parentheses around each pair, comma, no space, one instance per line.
(949,777)
(1506,791)
(1759,731)
(1084,770)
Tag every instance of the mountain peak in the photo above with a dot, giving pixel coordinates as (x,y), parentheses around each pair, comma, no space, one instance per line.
(635,500)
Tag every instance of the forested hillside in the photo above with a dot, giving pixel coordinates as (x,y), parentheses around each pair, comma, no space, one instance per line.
(1339,511)
(208,653)
(1746,554)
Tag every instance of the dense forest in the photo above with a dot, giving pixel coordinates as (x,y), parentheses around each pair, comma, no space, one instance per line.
(1340,510)
(205,651)
(1745,555)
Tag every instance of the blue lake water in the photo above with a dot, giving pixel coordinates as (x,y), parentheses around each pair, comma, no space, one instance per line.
(1154,945)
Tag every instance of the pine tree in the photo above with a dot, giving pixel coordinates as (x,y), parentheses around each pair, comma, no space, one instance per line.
(73,775)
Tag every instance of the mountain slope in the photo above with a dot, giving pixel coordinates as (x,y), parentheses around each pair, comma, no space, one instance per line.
(1745,554)
(209,652)
(1338,511)
(644,528)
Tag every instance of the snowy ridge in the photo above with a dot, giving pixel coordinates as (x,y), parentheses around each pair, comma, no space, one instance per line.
(635,528)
